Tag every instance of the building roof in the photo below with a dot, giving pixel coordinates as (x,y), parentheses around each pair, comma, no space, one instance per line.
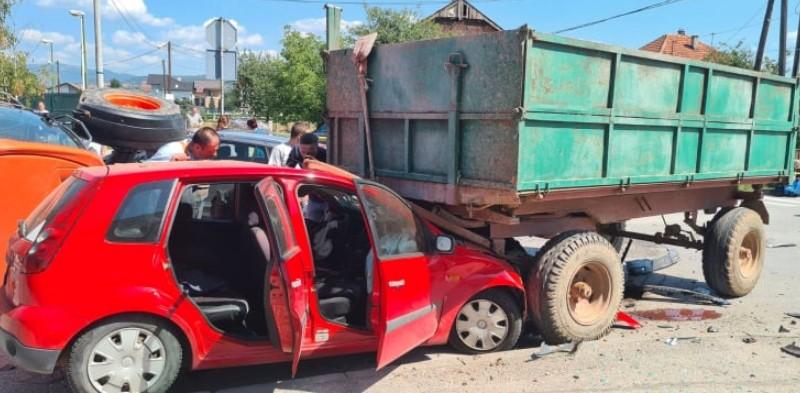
(462,10)
(680,45)
(206,85)
(69,84)
(176,85)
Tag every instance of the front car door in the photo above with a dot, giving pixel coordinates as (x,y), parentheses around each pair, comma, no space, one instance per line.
(407,317)
(271,199)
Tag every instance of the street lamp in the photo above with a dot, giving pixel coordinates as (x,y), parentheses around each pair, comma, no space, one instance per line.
(81,15)
(50,42)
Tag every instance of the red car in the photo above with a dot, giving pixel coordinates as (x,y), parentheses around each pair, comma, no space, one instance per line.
(126,275)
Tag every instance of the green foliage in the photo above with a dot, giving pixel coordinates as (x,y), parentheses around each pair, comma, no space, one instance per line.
(7,38)
(286,88)
(16,78)
(740,56)
(395,26)
(115,84)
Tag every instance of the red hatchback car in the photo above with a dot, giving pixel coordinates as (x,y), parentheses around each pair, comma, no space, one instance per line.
(126,275)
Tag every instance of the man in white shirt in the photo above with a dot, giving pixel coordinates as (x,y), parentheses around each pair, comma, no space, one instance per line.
(194,120)
(204,146)
(281,152)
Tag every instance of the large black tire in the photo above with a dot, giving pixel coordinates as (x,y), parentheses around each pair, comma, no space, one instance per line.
(575,288)
(148,125)
(616,241)
(733,257)
(501,303)
(83,352)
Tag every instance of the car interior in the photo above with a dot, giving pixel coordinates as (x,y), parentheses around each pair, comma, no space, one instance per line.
(340,247)
(220,252)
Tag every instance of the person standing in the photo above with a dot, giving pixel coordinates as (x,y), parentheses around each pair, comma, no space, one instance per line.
(223,122)
(41,109)
(308,149)
(194,120)
(281,152)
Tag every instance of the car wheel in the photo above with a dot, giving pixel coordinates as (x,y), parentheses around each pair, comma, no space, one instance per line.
(490,321)
(136,355)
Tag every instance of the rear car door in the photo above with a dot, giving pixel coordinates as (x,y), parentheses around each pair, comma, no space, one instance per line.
(407,316)
(270,196)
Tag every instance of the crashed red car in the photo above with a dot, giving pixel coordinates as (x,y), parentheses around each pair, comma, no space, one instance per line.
(125,275)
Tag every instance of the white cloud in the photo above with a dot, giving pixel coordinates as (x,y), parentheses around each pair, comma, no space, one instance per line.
(129,38)
(132,9)
(250,40)
(317,26)
(33,36)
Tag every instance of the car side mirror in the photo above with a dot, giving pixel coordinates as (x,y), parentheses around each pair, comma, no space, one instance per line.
(445,244)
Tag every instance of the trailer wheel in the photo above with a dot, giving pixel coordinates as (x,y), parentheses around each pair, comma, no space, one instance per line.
(733,256)
(576,287)
(616,241)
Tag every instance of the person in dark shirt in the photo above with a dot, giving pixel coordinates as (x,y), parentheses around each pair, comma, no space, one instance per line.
(307,149)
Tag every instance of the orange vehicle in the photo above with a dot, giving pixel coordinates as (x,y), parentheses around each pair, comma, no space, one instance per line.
(36,154)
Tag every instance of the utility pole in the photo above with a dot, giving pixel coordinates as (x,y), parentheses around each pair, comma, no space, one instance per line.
(169,67)
(221,68)
(164,78)
(762,42)
(796,54)
(51,63)
(58,75)
(98,45)
(782,39)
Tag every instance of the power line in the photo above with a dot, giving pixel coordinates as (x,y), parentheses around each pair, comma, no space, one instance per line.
(746,24)
(137,27)
(134,57)
(636,11)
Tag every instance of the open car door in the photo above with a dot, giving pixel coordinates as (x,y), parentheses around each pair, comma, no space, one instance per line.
(407,317)
(271,199)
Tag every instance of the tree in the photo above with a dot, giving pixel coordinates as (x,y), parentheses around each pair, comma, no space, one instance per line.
(740,56)
(15,77)
(115,83)
(289,87)
(395,26)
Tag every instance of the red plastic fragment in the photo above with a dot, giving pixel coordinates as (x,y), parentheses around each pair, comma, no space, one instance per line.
(624,319)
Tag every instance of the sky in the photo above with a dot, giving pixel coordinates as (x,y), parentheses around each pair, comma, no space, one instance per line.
(134,30)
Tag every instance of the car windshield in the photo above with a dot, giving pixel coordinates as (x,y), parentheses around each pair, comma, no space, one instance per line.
(22,125)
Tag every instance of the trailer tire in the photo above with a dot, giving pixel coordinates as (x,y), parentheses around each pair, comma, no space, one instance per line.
(733,256)
(130,120)
(576,287)
(617,241)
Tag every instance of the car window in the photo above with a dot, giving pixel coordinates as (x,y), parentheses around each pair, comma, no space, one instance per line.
(278,216)
(139,218)
(57,199)
(242,152)
(25,126)
(211,202)
(394,226)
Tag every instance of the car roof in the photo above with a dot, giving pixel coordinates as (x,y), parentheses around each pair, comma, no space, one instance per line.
(251,137)
(74,154)
(211,168)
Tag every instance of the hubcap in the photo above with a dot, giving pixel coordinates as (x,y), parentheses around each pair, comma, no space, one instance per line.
(482,325)
(589,293)
(126,360)
(749,253)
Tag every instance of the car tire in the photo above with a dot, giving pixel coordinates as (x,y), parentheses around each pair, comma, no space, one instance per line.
(129,120)
(112,352)
(733,255)
(575,288)
(470,329)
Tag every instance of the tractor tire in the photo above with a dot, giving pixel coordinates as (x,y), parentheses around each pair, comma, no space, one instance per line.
(733,256)
(575,288)
(128,120)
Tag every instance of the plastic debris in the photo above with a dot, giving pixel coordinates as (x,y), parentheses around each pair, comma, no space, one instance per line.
(671,292)
(545,349)
(792,349)
(749,340)
(712,329)
(673,341)
(783,330)
(793,314)
(626,321)
(781,245)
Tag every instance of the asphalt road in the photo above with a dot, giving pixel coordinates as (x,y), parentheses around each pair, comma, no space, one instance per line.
(625,360)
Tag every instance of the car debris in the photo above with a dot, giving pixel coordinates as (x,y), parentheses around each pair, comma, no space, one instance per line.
(673,341)
(639,267)
(792,349)
(544,349)
(782,329)
(793,314)
(781,245)
(673,292)
(712,329)
(624,320)
(749,340)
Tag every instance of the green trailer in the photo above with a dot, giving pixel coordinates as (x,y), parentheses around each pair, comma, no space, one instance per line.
(520,133)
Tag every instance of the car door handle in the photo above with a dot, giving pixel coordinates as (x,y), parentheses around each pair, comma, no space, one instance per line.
(397,283)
